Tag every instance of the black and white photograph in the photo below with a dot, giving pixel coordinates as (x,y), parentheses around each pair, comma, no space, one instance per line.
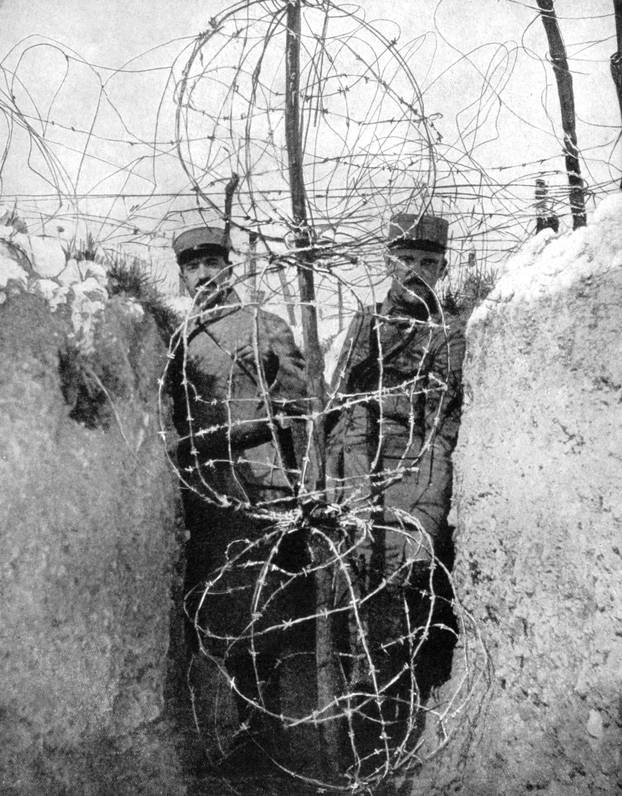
(311,398)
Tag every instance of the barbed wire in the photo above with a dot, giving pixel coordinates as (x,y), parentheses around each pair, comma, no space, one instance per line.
(380,716)
(378,622)
(372,146)
(153,225)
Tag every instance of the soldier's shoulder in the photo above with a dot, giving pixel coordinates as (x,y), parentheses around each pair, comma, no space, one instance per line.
(275,330)
(270,316)
(355,345)
(362,317)
(369,310)
(447,338)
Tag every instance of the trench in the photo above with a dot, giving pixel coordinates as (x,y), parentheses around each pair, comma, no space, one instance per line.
(116,698)
(203,715)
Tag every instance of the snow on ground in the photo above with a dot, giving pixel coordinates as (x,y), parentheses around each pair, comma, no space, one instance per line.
(11,271)
(548,263)
(181,305)
(38,264)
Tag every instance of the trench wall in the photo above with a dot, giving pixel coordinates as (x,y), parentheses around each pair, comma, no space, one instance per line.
(88,546)
(538,507)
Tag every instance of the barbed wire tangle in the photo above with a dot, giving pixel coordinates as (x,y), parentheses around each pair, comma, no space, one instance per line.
(308,411)
(299,555)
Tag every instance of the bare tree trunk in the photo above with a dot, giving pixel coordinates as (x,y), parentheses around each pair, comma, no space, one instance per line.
(616,58)
(566,100)
(326,664)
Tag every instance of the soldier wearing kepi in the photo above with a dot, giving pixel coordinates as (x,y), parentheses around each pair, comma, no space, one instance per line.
(398,384)
(238,388)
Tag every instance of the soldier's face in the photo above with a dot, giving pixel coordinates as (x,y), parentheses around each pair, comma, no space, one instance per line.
(206,275)
(413,267)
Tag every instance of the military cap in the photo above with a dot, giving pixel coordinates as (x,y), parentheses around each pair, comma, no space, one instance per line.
(193,243)
(418,232)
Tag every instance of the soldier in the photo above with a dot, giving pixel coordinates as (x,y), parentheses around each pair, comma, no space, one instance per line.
(398,386)
(238,386)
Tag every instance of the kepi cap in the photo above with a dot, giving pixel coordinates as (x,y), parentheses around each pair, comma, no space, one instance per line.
(193,242)
(418,232)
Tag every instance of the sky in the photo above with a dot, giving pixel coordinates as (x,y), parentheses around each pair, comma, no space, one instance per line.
(479,73)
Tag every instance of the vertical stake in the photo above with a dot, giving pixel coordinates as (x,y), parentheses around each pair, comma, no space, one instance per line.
(327,677)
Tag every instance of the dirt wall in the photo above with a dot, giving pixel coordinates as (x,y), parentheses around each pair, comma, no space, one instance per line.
(87,551)
(538,506)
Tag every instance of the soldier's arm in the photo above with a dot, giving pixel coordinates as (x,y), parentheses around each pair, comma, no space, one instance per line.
(274,353)
(284,373)
(352,365)
(284,367)
(444,396)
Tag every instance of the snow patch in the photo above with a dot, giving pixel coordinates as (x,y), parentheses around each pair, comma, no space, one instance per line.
(72,272)
(46,254)
(92,289)
(51,291)
(95,270)
(549,263)
(182,306)
(134,309)
(10,271)
(37,264)
(85,311)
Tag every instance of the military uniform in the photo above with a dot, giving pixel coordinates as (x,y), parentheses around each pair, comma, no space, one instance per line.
(397,386)
(237,380)
(244,383)
(398,381)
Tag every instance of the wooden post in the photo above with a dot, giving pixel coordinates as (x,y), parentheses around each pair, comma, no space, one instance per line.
(340,315)
(565,91)
(229,192)
(545,217)
(252,264)
(327,678)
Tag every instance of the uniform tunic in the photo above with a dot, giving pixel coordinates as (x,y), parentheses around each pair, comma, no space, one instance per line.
(398,386)
(398,381)
(238,382)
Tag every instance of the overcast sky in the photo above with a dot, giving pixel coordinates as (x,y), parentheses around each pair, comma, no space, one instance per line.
(478,64)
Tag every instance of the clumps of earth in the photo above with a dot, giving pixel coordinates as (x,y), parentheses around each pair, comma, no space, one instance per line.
(76,284)
(40,265)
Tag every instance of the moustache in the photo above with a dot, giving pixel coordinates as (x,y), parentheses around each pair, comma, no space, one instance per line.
(206,283)
(415,284)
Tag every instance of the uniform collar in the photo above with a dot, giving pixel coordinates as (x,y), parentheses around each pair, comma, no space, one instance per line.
(407,312)
(230,304)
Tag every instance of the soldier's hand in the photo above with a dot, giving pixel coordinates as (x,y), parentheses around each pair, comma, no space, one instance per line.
(247,356)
